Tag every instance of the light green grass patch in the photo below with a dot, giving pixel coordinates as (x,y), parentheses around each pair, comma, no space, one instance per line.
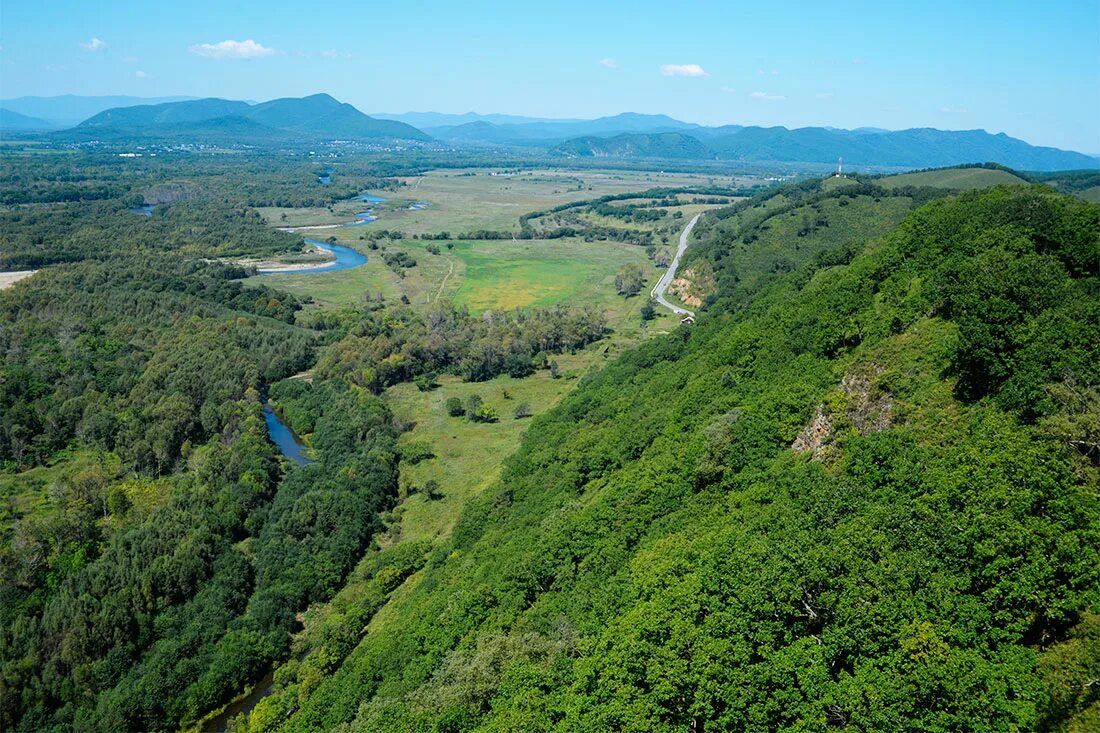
(956,179)
(1091,194)
(505,274)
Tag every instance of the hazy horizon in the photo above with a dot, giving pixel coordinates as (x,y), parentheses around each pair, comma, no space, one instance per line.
(836,65)
(519,118)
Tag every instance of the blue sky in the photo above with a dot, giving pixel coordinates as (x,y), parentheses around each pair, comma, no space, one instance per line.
(1025,68)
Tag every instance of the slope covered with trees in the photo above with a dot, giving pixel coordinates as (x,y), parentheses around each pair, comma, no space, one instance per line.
(156,550)
(289,120)
(860,493)
(915,148)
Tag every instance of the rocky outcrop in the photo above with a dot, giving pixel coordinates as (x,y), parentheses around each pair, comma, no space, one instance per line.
(857,403)
(694,284)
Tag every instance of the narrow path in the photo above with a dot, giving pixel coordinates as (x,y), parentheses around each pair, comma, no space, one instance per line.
(445,277)
(659,289)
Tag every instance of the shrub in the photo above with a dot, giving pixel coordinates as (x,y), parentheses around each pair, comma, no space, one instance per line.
(455,408)
(485,413)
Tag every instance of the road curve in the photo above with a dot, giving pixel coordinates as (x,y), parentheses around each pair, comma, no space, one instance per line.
(659,289)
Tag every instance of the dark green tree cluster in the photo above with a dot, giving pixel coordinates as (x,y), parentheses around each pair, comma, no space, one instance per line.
(164,620)
(393,346)
(798,514)
(120,355)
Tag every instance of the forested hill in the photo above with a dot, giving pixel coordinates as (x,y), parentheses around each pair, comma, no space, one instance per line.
(671,145)
(316,117)
(916,148)
(861,490)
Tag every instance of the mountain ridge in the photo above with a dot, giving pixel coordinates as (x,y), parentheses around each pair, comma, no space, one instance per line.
(914,148)
(320,116)
(314,117)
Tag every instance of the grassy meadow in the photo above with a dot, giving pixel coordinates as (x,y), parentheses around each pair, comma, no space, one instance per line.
(468,200)
(957,179)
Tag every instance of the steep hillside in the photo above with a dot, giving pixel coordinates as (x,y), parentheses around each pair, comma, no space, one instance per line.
(862,489)
(672,145)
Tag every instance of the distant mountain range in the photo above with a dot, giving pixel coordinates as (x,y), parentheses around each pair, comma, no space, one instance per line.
(320,118)
(11,120)
(658,136)
(425,120)
(916,148)
(71,109)
(221,121)
(667,145)
(539,133)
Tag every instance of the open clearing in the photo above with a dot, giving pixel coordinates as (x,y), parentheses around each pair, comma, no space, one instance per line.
(959,179)
(468,200)
(484,275)
(7,279)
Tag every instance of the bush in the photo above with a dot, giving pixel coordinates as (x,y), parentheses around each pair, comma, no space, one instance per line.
(630,280)
(431,490)
(455,408)
(415,452)
(485,413)
(523,410)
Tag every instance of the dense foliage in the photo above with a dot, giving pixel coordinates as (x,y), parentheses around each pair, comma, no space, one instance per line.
(804,512)
(155,558)
(161,621)
(861,492)
(385,347)
(117,354)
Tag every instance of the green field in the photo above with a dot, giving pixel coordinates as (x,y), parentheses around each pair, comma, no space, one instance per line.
(958,179)
(468,200)
(493,274)
(504,275)
(484,275)
(1091,194)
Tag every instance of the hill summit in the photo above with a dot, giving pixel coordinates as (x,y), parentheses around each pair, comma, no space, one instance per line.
(289,119)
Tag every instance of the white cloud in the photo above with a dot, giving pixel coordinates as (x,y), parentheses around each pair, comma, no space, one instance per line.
(231,50)
(334,54)
(609,63)
(143,74)
(824,95)
(767,96)
(683,70)
(94,45)
(729,90)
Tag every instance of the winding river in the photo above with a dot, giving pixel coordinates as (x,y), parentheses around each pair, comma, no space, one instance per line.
(346,258)
(291,447)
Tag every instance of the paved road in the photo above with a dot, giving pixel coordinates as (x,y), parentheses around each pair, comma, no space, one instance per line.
(659,289)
